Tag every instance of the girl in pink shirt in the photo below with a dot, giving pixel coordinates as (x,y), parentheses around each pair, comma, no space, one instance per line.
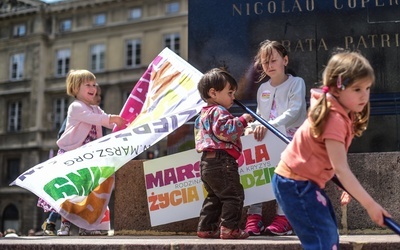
(339,111)
(84,124)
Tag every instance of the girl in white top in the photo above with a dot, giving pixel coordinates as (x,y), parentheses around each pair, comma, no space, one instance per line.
(281,101)
(282,104)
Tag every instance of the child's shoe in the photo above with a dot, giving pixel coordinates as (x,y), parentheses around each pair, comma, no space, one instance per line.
(279,226)
(64,229)
(254,224)
(49,229)
(227,233)
(208,234)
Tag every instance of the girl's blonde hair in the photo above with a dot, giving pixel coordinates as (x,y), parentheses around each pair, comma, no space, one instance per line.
(75,78)
(265,48)
(343,69)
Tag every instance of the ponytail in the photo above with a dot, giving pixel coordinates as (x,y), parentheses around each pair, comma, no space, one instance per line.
(317,114)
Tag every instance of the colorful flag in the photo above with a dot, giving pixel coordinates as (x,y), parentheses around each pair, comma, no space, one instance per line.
(78,183)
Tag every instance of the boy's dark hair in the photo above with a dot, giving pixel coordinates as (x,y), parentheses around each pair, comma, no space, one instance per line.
(215,78)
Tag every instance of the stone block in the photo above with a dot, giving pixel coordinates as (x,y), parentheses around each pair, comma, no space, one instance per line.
(377,173)
(131,211)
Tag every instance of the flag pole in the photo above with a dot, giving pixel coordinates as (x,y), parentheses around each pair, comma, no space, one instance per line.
(389,222)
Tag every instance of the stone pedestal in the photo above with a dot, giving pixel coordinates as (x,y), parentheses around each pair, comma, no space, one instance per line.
(377,172)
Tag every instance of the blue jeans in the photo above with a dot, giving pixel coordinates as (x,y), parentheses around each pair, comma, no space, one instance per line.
(309,211)
(53,217)
(225,197)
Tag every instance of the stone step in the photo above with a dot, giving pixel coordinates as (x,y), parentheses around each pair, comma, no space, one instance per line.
(175,242)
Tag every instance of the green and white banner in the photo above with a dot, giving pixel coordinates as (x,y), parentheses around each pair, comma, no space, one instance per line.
(78,183)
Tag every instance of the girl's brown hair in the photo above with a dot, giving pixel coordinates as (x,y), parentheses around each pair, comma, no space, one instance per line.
(265,48)
(343,69)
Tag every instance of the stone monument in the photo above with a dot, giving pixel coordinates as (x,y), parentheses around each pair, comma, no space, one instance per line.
(227,33)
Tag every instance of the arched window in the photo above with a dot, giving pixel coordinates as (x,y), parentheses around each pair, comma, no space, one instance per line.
(11,218)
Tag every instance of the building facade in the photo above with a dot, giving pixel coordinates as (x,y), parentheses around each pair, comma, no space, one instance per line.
(39,44)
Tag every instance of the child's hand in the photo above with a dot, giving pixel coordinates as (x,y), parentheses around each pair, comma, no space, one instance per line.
(376,212)
(345,198)
(248,117)
(118,120)
(248,131)
(259,132)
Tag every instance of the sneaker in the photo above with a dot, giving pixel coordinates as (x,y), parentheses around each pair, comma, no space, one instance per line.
(279,226)
(254,224)
(227,233)
(84,232)
(208,234)
(64,229)
(49,229)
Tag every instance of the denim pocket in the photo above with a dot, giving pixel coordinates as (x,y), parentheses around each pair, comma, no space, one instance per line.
(304,187)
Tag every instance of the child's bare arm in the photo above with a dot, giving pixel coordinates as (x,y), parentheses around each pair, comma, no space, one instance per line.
(338,158)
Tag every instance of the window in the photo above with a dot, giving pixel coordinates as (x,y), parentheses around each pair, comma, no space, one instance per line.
(17,66)
(99,19)
(14,116)
(11,217)
(97,57)
(172,7)
(60,109)
(133,53)
(65,25)
(172,41)
(12,169)
(135,13)
(62,61)
(19,30)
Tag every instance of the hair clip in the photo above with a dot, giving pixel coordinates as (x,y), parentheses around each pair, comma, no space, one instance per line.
(339,83)
(325,89)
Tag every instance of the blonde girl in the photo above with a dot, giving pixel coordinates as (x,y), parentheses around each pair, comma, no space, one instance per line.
(84,124)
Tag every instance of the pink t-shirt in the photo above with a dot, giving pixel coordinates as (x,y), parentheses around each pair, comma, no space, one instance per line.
(306,156)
